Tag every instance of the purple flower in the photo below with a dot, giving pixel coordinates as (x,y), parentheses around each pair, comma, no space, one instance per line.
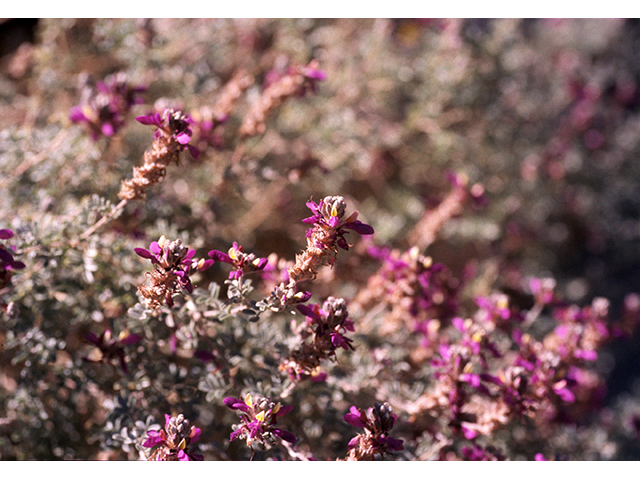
(174,442)
(328,214)
(172,125)
(105,107)
(173,263)
(377,421)
(244,263)
(7,262)
(258,419)
(108,348)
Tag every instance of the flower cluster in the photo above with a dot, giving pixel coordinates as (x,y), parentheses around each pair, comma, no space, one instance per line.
(323,240)
(173,263)
(171,137)
(108,348)
(7,262)
(258,420)
(244,263)
(420,294)
(377,421)
(104,111)
(175,441)
(325,326)
(326,235)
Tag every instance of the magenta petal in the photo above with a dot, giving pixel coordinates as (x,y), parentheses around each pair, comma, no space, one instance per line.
(5,234)
(195,436)
(195,153)
(359,227)
(153,439)
(144,253)
(205,265)
(183,457)
(284,435)
(155,248)
(107,129)
(131,339)
(284,409)
(220,256)
(5,256)
(354,420)
(182,138)
(18,265)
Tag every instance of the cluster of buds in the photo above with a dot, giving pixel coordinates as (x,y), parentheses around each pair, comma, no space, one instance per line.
(169,140)
(7,263)
(323,240)
(325,327)
(295,83)
(377,421)
(108,348)
(258,420)
(173,263)
(104,111)
(174,442)
(244,263)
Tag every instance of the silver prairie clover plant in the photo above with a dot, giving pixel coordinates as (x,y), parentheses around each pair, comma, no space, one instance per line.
(219,240)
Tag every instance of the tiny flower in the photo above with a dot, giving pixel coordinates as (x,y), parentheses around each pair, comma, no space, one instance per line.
(326,327)
(108,348)
(377,421)
(243,262)
(174,442)
(258,420)
(173,263)
(174,125)
(7,263)
(106,106)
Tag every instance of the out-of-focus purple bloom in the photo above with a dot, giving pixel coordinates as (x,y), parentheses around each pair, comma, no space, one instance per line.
(174,442)
(108,347)
(104,109)
(244,263)
(7,263)
(258,419)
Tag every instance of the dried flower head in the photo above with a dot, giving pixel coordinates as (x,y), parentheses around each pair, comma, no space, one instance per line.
(174,442)
(173,263)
